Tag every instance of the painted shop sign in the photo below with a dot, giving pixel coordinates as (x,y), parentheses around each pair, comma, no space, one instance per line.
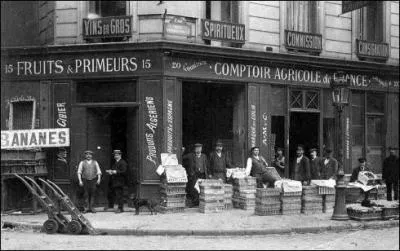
(217,30)
(253,72)
(118,26)
(80,66)
(22,139)
(170,126)
(367,49)
(151,127)
(303,41)
(253,125)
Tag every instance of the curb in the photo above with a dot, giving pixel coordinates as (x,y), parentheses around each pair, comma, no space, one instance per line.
(231,232)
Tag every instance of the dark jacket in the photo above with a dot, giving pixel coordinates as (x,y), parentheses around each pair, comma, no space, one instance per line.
(390,172)
(218,164)
(302,170)
(354,174)
(189,162)
(330,169)
(119,179)
(315,168)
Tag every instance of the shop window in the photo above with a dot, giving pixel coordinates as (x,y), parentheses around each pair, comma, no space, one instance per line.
(107,8)
(371,22)
(302,16)
(110,91)
(374,130)
(304,99)
(375,103)
(226,11)
(22,115)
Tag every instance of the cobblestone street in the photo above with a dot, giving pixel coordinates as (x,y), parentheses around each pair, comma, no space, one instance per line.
(371,239)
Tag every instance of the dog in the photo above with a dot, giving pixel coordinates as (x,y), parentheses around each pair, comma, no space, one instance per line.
(149,203)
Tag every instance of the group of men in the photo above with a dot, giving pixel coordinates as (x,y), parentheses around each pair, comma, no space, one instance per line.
(89,177)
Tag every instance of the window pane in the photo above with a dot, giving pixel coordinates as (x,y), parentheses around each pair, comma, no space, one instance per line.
(358,135)
(113,8)
(22,115)
(357,115)
(375,103)
(312,100)
(374,131)
(296,99)
(357,99)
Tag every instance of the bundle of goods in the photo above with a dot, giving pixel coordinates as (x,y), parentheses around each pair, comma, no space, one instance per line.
(291,196)
(390,209)
(228,192)
(173,185)
(211,196)
(367,178)
(358,212)
(268,201)
(311,200)
(244,190)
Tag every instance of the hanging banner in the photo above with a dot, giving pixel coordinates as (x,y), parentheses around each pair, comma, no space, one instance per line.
(348,6)
(23,139)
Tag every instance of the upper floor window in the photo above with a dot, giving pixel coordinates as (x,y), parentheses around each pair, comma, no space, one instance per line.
(302,16)
(22,115)
(107,8)
(371,22)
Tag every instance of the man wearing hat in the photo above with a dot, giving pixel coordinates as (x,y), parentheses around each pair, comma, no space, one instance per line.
(196,167)
(301,166)
(315,164)
(357,170)
(329,166)
(116,182)
(89,176)
(390,174)
(218,163)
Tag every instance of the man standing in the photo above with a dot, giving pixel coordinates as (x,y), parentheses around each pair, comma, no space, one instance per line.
(196,168)
(88,171)
(329,166)
(315,164)
(301,167)
(116,182)
(218,163)
(390,174)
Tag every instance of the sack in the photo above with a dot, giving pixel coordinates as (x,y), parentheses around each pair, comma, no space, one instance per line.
(289,186)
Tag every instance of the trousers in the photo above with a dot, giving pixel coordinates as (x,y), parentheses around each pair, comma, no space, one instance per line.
(90,187)
(389,186)
(115,194)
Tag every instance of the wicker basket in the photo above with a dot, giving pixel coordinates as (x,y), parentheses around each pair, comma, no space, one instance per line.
(371,214)
(268,200)
(268,192)
(245,181)
(291,194)
(326,190)
(290,211)
(390,213)
(261,212)
(173,203)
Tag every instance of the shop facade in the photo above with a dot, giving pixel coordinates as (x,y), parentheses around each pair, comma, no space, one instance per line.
(156,97)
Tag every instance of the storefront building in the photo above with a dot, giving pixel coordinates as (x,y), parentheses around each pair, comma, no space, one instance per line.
(159,94)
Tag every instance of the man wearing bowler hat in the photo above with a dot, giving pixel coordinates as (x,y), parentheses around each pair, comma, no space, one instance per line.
(218,163)
(116,182)
(89,176)
(196,167)
(315,164)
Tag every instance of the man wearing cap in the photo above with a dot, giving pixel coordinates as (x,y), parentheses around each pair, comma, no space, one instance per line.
(329,166)
(116,182)
(301,166)
(390,174)
(196,167)
(357,170)
(218,163)
(89,176)
(315,164)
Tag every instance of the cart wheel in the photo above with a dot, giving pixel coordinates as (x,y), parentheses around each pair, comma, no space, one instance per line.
(74,227)
(50,226)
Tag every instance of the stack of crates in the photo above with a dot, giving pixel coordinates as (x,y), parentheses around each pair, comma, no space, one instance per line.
(228,192)
(244,193)
(311,201)
(211,196)
(268,201)
(173,190)
(328,198)
(291,202)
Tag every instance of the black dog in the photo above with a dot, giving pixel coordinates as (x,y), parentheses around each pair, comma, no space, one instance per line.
(149,203)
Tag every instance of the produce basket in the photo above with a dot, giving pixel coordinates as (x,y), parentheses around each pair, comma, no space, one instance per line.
(266,212)
(312,199)
(358,212)
(166,210)
(268,192)
(290,211)
(268,200)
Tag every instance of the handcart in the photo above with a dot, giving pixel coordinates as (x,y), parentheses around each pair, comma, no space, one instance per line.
(56,221)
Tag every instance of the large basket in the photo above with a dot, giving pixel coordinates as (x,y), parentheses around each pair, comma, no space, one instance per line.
(358,212)
(266,212)
(268,192)
(268,200)
(390,213)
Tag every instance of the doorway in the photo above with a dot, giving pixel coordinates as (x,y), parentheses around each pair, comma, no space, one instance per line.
(304,130)
(110,128)
(212,111)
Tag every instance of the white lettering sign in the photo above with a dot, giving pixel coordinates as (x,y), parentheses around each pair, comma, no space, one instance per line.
(23,139)
(152,126)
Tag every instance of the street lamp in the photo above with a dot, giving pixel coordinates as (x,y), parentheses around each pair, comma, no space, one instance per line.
(340,96)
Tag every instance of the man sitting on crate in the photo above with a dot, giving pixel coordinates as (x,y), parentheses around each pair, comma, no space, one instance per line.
(196,166)
(218,163)
(354,178)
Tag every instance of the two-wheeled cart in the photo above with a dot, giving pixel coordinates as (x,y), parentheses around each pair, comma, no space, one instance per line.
(57,222)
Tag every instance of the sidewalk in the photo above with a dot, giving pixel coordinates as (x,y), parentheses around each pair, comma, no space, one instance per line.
(192,222)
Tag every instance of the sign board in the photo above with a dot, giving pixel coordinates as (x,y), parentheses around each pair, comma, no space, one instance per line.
(23,139)
(118,26)
(348,6)
(217,30)
(367,49)
(303,41)
(177,26)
